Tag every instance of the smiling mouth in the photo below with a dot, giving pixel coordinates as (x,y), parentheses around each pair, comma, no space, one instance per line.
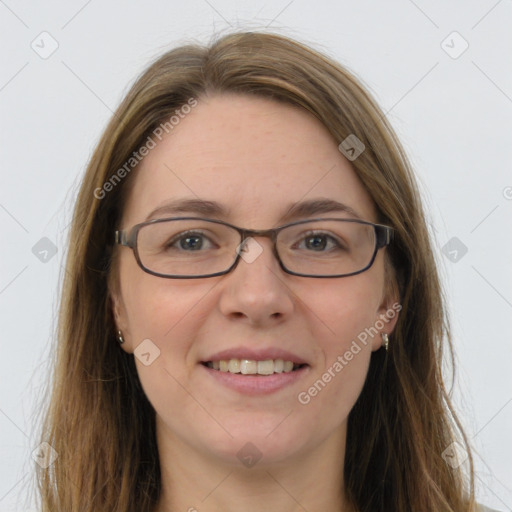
(252,367)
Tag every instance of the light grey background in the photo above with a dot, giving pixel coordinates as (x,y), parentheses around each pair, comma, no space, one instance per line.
(452,114)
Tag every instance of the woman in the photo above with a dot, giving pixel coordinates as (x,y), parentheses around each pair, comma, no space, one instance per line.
(252,317)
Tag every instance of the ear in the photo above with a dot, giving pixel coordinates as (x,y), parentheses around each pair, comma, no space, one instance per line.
(387,314)
(121,319)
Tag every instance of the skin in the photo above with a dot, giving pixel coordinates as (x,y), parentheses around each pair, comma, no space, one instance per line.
(255,157)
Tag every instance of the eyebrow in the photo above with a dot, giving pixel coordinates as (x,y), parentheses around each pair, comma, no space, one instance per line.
(196,206)
(301,209)
(317,206)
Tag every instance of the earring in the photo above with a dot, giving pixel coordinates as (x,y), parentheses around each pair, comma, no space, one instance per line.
(385,340)
(120,338)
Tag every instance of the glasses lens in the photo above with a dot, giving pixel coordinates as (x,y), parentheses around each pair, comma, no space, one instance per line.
(187,247)
(326,247)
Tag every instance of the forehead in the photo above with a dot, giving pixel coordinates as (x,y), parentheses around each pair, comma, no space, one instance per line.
(253,156)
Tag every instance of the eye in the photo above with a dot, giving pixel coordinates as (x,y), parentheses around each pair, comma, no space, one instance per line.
(319,242)
(190,241)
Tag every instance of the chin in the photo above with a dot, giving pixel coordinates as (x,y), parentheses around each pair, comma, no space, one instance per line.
(258,442)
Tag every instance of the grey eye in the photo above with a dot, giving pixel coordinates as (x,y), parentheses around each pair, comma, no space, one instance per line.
(193,243)
(317,242)
(189,242)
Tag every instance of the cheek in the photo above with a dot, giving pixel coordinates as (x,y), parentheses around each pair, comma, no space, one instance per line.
(169,313)
(342,316)
(344,310)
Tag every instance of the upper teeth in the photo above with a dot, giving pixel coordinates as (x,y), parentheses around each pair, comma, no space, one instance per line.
(251,367)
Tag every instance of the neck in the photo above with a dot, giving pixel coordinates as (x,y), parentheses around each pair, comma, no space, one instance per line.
(196,482)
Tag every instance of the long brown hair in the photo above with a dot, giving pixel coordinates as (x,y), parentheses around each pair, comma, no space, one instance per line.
(99,421)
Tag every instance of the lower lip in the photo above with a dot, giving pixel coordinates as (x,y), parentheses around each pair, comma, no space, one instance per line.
(257,384)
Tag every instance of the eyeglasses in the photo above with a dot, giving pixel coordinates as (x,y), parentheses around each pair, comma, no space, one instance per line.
(192,247)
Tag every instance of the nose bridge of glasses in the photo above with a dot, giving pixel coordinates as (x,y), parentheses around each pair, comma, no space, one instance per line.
(265,233)
(250,248)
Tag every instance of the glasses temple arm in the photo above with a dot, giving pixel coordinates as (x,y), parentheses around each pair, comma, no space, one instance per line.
(121,238)
(384,235)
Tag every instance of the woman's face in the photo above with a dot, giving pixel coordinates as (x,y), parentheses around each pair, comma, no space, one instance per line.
(256,160)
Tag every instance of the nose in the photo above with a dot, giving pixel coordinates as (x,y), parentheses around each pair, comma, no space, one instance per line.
(255,291)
